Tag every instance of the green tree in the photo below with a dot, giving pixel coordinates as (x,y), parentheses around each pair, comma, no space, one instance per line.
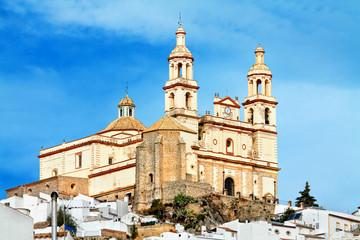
(69,220)
(306,198)
(157,208)
(133,231)
(285,216)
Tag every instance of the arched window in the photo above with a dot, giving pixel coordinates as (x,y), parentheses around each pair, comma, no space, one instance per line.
(130,112)
(229,186)
(151,178)
(267,116)
(54,172)
(188,100)
(121,112)
(229,146)
(179,70)
(29,191)
(258,87)
(251,116)
(172,100)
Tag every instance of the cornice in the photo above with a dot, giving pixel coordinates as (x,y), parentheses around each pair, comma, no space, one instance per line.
(237,162)
(89,143)
(238,127)
(259,100)
(112,170)
(170,58)
(181,85)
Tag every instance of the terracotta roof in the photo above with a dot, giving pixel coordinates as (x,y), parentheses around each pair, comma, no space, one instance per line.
(311,236)
(228,229)
(126,101)
(168,123)
(125,123)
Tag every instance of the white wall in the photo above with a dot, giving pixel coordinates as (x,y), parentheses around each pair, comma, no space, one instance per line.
(15,225)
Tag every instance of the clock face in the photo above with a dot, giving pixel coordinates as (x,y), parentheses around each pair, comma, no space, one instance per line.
(227,110)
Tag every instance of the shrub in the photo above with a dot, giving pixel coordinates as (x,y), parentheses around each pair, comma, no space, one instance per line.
(181,200)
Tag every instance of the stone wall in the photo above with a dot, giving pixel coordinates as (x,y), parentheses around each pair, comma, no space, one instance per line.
(155,230)
(64,186)
(194,189)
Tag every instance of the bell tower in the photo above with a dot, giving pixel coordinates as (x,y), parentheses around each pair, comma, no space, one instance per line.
(181,88)
(260,105)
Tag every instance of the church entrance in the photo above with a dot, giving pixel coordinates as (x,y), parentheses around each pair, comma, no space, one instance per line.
(229,186)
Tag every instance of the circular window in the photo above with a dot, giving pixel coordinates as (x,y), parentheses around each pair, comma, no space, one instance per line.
(73,186)
(192,166)
(202,173)
(47,186)
(276,231)
(288,233)
(214,141)
(244,147)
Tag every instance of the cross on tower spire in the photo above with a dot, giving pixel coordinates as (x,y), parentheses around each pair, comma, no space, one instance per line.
(179,22)
(126,88)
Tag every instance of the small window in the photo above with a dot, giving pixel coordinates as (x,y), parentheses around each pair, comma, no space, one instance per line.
(29,191)
(121,112)
(276,231)
(180,70)
(54,172)
(288,233)
(338,226)
(110,160)
(258,87)
(78,159)
(73,186)
(151,178)
(7,204)
(47,186)
(188,100)
(229,146)
(267,116)
(130,112)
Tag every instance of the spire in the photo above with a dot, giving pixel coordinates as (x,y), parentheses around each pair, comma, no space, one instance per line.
(259,53)
(180,36)
(259,67)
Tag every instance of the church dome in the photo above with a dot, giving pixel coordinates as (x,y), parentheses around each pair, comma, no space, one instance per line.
(126,101)
(125,123)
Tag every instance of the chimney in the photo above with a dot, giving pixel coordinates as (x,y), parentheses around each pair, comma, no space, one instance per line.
(289,203)
(301,205)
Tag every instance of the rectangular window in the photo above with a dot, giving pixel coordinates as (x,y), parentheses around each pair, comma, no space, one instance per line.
(338,226)
(78,160)
(7,204)
(110,160)
(346,227)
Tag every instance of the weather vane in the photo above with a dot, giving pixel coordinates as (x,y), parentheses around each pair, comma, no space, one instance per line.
(179,19)
(126,88)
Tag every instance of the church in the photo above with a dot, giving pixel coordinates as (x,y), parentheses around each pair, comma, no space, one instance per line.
(181,152)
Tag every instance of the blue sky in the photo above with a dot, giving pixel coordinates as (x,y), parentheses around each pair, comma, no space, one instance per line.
(64,65)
